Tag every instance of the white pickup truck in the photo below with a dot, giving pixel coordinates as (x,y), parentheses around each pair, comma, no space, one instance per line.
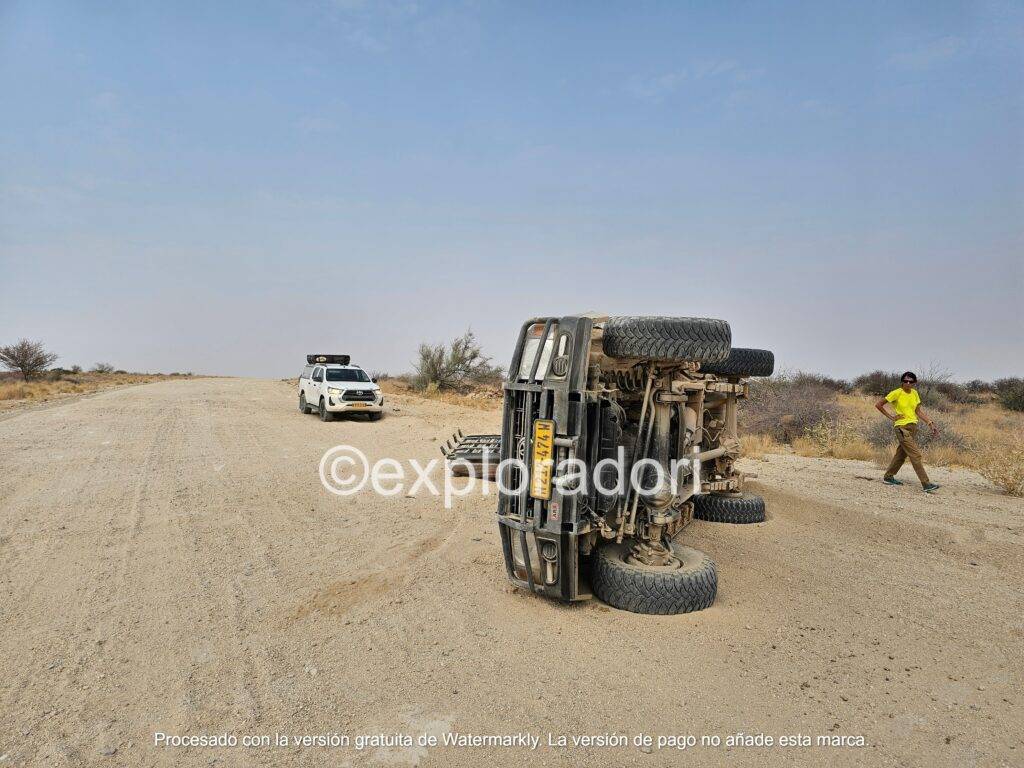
(330,385)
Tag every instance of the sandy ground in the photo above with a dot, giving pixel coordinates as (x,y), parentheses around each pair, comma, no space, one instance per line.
(169,562)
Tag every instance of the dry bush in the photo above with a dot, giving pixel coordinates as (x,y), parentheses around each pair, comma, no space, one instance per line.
(1003,465)
(877,382)
(455,366)
(836,385)
(103,368)
(834,438)
(786,410)
(960,394)
(756,446)
(1011,394)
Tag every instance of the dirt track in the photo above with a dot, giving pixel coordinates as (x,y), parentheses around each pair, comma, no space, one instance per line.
(169,561)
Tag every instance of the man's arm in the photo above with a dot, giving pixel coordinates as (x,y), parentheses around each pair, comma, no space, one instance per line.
(921,415)
(880,405)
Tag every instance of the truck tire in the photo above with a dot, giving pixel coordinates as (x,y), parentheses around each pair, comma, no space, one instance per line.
(325,415)
(304,407)
(642,589)
(740,509)
(669,339)
(376,416)
(743,362)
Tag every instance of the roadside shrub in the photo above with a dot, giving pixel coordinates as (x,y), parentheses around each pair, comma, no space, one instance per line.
(835,438)
(76,369)
(103,368)
(877,382)
(960,394)
(979,387)
(380,376)
(786,410)
(1011,394)
(454,366)
(836,385)
(1004,384)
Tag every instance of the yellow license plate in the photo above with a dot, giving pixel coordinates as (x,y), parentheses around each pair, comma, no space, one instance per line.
(543,455)
(359,405)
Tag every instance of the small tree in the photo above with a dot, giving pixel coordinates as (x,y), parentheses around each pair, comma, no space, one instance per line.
(29,357)
(453,366)
(103,368)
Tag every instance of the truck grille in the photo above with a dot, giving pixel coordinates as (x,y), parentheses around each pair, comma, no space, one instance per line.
(359,395)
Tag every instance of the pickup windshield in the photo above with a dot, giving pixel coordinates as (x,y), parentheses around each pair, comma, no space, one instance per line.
(346,374)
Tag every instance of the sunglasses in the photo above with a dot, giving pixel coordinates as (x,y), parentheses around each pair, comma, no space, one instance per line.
(909,381)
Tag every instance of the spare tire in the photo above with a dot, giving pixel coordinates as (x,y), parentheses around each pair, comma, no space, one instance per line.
(669,339)
(740,509)
(642,589)
(743,362)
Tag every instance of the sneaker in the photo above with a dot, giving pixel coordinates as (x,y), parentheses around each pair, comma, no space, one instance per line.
(891,481)
(931,488)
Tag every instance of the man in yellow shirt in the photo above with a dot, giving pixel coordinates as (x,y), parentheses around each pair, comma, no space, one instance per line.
(906,403)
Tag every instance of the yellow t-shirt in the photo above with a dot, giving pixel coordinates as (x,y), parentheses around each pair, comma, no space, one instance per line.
(905,404)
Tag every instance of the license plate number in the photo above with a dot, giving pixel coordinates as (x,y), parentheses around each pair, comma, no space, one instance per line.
(360,405)
(543,454)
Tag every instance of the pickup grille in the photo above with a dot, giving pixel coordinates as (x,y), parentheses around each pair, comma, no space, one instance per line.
(359,395)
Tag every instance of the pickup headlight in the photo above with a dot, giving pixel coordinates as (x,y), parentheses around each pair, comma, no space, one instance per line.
(333,391)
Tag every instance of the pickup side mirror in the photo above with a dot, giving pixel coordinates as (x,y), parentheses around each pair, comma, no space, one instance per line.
(374,380)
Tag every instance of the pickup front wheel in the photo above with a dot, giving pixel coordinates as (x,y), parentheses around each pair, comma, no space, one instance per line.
(688,584)
(325,415)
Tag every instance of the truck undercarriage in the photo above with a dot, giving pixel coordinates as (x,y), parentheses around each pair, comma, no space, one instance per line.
(616,432)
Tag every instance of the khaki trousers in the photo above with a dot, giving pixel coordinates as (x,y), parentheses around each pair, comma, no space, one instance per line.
(908,449)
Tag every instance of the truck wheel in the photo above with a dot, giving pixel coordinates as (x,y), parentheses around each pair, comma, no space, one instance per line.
(325,415)
(304,407)
(376,416)
(671,339)
(740,508)
(639,588)
(743,362)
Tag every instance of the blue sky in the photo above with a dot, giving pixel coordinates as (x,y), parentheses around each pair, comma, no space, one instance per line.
(223,187)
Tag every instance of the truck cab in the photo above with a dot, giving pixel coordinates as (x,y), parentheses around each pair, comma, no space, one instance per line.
(331,385)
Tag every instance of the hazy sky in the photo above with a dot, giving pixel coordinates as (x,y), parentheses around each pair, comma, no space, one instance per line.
(223,187)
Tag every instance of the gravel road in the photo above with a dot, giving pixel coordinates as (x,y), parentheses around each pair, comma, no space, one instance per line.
(170,563)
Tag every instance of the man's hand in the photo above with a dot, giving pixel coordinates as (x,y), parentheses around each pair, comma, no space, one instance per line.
(935,430)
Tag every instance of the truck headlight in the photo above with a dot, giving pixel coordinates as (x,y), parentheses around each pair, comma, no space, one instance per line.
(333,391)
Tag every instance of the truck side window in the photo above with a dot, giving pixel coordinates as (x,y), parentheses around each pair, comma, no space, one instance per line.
(318,374)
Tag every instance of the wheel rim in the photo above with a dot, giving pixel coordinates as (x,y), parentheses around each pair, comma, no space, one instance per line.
(671,562)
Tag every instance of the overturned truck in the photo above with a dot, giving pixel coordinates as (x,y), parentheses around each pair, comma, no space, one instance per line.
(617,432)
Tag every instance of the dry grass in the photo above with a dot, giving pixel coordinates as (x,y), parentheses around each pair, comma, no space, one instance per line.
(1003,466)
(483,398)
(16,392)
(984,438)
(757,446)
